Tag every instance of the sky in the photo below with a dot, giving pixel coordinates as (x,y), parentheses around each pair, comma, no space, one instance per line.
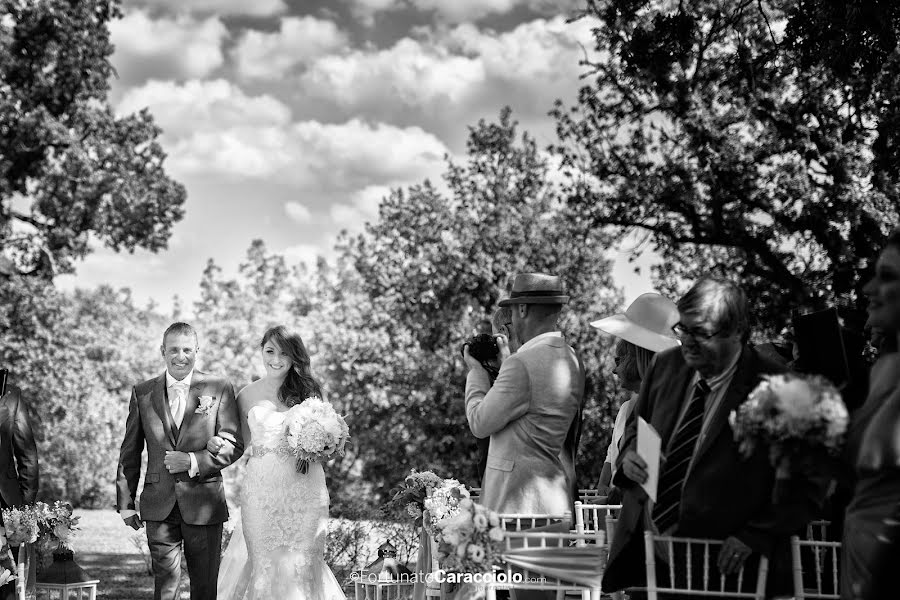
(288,121)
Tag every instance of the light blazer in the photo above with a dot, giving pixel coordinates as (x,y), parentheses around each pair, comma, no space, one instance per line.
(18,452)
(724,494)
(527,413)
(201,499)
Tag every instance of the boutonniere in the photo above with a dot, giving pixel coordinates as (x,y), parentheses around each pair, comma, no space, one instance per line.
(206,404)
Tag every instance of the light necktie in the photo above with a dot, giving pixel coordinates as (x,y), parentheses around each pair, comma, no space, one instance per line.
(671,478)
(176,401)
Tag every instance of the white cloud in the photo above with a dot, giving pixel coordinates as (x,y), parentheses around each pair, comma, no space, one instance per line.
(183,109)
(456,75)
(298,41)
(253,8)
(309,154)
(460,11)
(298,212)
(179,47)
(409,74)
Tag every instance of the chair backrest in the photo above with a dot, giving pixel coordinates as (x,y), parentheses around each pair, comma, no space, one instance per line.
(817,531)
(590,495)
(525,521)
(592,517)
(816,568)
(522,578)
(683,558)
(475,493)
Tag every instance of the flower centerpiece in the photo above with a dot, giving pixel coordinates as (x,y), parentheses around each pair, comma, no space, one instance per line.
(411,494)
(469,540)
(444,502)
(795,417)
(314,432)
(49,526)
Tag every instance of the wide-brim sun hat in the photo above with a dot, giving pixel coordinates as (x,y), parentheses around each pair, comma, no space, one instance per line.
(646,323)
(536,288)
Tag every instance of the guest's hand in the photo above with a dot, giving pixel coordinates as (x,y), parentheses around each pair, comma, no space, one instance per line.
(634,467)
(177,462)
(503,345)
(215,444)
(732,555)
(470,361)
(134,522)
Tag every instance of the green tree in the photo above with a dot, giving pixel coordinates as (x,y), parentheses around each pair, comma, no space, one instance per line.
(71,172)
(75,357)
(702,130)
(409,290)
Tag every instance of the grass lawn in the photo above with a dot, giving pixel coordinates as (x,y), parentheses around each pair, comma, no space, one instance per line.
(105,550)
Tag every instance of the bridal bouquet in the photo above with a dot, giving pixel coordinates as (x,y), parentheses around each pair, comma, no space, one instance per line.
(469,541)
(794,416)
(412,493)
(314,432)
(444,502)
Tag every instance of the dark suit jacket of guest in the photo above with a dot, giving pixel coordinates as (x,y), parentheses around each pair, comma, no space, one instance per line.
(201,499)
(18,451)
(724,494)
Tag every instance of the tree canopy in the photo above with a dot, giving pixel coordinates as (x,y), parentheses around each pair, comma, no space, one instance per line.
(730,148)
(72,173)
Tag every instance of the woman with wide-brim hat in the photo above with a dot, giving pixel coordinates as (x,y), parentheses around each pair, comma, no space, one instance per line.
(644,329)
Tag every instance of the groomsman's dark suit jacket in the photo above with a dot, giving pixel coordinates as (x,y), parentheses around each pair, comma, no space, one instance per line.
(18,461)
(18,452)
(724,494)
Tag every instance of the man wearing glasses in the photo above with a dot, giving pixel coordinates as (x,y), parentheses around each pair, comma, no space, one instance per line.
(706,490)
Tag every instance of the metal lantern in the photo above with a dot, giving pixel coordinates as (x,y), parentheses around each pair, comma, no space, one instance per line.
(385,579)
(65,580)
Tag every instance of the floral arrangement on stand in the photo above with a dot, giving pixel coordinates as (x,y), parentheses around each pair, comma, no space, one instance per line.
(411,494)
(49,527)
(470,540)
(797,418)
(314,432)
(444,502)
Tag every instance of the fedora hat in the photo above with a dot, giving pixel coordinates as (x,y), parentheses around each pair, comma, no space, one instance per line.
(646,323)
(536,288)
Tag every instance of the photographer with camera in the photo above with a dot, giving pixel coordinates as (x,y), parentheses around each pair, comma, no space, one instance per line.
(528,411)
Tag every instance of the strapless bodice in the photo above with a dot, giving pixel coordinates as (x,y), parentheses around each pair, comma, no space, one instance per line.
(266,424)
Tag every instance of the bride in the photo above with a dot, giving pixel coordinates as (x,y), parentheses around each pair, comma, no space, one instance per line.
(278,553)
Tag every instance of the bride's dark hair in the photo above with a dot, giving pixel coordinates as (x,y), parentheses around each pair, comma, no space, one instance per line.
(299,383)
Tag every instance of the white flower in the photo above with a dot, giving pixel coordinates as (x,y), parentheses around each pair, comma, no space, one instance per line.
(495,534)
(476,553)
(461,551)
(480,522)
(493,519)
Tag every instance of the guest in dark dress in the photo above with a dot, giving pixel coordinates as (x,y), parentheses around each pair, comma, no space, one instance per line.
(871,545)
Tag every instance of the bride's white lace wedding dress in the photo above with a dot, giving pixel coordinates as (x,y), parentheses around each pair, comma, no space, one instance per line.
(285,517)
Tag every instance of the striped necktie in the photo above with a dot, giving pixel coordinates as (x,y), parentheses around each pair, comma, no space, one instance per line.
(671,479)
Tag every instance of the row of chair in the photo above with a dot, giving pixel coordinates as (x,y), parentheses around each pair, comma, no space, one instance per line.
(690,561)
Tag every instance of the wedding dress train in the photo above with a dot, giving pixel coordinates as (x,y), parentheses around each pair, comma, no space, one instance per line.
(277,552)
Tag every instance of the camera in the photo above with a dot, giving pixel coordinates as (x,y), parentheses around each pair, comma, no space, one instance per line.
(482,347)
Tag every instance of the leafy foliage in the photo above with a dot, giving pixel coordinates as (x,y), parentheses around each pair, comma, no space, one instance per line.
(702,130)
(71,172)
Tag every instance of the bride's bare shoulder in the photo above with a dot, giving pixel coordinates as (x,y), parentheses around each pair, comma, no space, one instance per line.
(249,396)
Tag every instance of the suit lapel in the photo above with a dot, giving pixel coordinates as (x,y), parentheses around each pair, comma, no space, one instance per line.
(191,402)
(161,406)
(741,383)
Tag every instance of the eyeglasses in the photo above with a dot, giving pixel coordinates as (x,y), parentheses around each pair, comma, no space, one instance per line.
(682,332)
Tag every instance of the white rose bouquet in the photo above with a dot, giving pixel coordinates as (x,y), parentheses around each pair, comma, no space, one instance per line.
(470,540)
(443,502)
(794,416)
(314,432)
